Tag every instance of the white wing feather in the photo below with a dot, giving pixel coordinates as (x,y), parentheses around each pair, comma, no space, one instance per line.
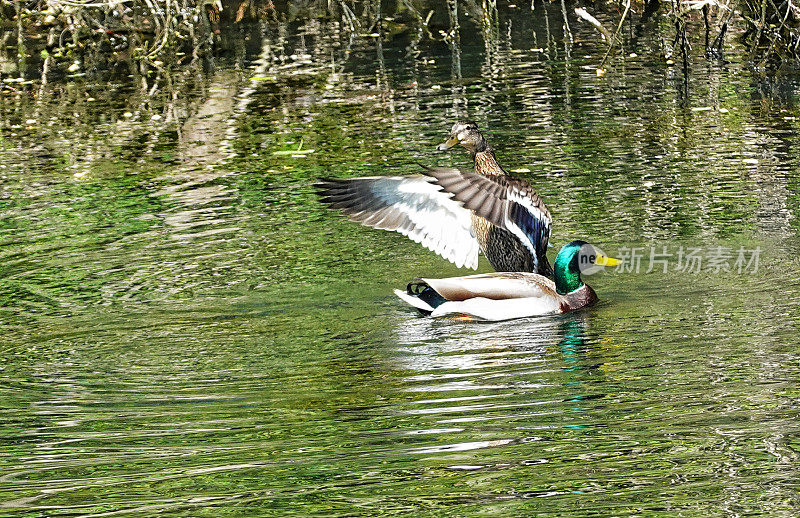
(411,205)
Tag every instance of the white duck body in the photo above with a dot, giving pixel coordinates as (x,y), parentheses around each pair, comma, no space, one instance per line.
(499,296)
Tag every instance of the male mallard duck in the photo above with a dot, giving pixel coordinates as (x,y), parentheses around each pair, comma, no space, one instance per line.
(507,295)
(455,213)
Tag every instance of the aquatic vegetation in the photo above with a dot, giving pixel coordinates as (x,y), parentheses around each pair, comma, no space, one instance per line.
(188,331)
(67,39)
(73,36)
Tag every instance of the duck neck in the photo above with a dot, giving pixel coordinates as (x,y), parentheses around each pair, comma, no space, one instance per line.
(485,161)
(580,298)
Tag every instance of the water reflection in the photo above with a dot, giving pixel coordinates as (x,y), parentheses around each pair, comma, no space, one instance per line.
(186,326)
(502,369)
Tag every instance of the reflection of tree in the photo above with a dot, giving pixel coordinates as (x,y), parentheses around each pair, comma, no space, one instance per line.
(494,65)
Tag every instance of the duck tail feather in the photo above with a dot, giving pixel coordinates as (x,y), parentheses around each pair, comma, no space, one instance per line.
(415,301)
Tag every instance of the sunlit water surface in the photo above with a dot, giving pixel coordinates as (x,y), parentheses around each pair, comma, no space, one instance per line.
(188,331)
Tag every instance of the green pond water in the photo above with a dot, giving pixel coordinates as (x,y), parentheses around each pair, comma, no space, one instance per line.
(188,331)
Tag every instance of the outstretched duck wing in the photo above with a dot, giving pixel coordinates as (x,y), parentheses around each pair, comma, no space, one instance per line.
(412,205)
(507,202)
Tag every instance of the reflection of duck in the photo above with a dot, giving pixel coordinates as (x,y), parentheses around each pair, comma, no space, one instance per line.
(572,341)
(455,213)
(507,295)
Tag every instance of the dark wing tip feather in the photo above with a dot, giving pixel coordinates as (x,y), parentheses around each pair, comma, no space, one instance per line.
(328,187)
(343,194)
(324,183)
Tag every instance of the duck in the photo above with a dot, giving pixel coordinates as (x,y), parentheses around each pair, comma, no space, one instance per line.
(454,213)
(509,295)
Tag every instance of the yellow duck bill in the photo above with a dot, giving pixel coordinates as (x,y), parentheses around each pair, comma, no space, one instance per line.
(603,260)
(452,141)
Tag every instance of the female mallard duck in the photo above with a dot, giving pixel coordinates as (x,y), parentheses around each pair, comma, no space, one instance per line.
(507,295)
(455,213)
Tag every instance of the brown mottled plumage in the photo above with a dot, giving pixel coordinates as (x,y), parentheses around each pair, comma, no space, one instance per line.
(504,250)
(486,163)
(454,213)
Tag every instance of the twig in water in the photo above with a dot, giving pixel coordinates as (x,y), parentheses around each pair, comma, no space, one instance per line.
(716,46)
(584,14)
(614,39)
(566,22)
(776,34)
(761,22)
